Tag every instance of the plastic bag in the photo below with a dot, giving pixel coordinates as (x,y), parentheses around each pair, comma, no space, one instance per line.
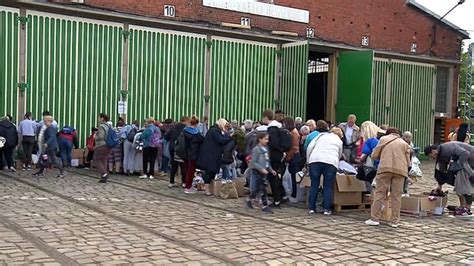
(229,191)
(286,179)
(415,167)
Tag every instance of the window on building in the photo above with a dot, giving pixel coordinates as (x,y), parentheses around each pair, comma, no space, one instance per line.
(442,84)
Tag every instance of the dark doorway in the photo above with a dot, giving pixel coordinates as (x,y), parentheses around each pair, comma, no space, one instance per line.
(318,68)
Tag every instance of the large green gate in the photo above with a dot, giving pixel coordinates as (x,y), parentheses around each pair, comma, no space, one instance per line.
(9,26)
(73,69)
(294,78)
(166,74)
(242,79)
(387,91)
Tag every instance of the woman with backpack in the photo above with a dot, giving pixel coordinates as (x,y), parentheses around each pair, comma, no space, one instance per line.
(210,154)
(102,150)
(188,145)
(67,140)
(151,138)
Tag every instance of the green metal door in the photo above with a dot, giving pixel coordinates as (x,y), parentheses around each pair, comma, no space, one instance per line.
(166,74)
(73,68)
(354,85)
(242,79)
(380,89)
(9,28)
(411,99)
(294,78)
(402,97)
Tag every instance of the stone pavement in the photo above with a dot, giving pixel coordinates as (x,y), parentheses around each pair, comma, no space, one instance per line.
(75,220)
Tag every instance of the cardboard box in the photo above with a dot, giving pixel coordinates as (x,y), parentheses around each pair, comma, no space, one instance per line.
(78,154)
(421,205)
(348,190)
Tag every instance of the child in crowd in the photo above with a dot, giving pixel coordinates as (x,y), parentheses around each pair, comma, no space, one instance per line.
(260,167)
(90,143)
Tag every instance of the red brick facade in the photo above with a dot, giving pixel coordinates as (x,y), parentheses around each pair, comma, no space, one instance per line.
(391,25)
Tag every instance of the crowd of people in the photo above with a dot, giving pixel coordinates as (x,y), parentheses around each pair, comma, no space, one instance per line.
(262,151)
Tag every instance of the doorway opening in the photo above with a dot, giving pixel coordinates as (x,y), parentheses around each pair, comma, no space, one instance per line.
(318,74)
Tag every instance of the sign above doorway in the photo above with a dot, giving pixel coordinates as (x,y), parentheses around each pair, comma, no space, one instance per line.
(262,8)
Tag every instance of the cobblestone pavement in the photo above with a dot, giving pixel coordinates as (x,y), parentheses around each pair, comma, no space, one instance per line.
(75,220)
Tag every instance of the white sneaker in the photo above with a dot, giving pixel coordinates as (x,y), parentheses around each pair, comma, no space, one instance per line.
(183,185)
(311,212)
(12,169)
(394,225)
(151,177)
(372,223)
(143,176)
(171,185)
(293,200)
(326,212)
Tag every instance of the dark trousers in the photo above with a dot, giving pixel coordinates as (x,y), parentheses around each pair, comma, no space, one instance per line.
(190,166)
(28,142)
(276,182)
(208,177)
(149,158)
(101,154)
(294,167)
(51,159)
(258,185)
(90,155)
(7,153)
(174,169)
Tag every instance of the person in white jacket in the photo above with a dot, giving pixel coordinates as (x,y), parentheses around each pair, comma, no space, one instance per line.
(323,155)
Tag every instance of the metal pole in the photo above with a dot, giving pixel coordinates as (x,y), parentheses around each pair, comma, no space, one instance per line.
(22,66)
(207,77)
(124,92)
(278,68)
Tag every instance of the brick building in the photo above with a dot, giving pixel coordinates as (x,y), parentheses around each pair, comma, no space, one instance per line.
(393,62)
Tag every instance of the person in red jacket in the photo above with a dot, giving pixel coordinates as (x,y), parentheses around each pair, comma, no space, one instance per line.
(90,143)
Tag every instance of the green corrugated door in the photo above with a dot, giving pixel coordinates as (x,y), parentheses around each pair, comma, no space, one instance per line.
(294,78)
(422,114)
(74,69)
(402,97)
(378,110)
(9,27)
(354,85)
(242,79)
(166,74)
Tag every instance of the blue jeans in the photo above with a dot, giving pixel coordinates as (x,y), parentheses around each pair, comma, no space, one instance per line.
(65,149)
(329,173)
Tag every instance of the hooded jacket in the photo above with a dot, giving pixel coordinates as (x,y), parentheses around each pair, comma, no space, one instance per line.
(193,142)
(276,153)
(8,131)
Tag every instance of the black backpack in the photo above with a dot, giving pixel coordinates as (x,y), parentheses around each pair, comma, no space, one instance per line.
(131,135)
(285,139)
(180,146)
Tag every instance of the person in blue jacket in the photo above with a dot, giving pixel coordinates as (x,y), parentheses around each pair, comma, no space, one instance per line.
(49,147)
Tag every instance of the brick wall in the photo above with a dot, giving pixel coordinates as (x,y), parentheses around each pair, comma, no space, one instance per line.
(391,25)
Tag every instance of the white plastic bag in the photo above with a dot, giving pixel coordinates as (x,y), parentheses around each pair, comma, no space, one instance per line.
(415,167)
(286,179)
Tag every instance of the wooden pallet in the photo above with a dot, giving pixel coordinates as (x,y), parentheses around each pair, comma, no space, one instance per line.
(349,208)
